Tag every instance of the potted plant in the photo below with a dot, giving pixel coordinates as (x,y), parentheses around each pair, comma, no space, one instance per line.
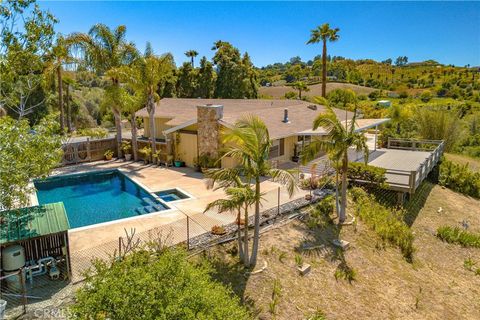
(206,162)
(295,157)
(108,154)
(156,157)
(218,230)
(179,162)
(196,165)
(126,148)
(146,152)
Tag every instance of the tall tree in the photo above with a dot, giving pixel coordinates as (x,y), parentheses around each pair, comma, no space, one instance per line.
(324,33)
(186,81)
(249,144)
(300,86)
(339,138)
(26,153)
(26,36)
(206,79)
(240,196)
(59,56)
(106,49)
(144,77)
(236,77)
(192,54)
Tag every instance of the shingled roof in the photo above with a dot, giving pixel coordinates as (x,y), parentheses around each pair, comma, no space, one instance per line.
(300,113)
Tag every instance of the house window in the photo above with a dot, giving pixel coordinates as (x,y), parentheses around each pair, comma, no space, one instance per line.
(277,149)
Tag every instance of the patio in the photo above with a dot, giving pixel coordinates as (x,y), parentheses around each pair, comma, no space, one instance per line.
(85,241)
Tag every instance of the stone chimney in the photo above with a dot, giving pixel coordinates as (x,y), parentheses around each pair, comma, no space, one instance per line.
(209,129)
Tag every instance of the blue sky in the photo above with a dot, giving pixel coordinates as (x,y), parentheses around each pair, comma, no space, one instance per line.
(448,32)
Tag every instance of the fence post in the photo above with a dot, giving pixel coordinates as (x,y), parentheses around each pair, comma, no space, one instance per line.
(89,154)
(188,233)
(24,290)
(119,247)
(278,203)
(388,143)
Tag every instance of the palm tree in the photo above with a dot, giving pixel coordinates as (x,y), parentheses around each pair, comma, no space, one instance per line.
(60,55)
(240,196)
(301,87)
(249,144)
(339,138)
(144,77)
(133,102)
(68,82)
(191,54)
(324,33)
(106,49)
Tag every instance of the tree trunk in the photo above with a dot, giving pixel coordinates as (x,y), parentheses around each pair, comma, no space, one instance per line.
(256,233)
(246,259)
(118,128)
(337,184)
(69,109)
(60,99)
(151,118)
(239,235)
(343,209)
(300,94)
(193,65)
(324,69)
(133,123)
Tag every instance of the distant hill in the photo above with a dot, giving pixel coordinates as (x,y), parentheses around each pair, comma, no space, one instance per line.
(315,90)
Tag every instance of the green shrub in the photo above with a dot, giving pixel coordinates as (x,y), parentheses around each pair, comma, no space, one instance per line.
(458,236)
(459,178)
(358,171)
(147,285)
(345,272)
(95,133)
(387,223)
(320,213)
(426,96)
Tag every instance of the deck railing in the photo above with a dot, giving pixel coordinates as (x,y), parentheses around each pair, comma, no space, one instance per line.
(415,177)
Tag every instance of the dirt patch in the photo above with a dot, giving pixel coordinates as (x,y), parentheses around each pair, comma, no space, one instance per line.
(435,286)
(315,90)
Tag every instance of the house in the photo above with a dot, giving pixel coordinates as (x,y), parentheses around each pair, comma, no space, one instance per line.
(190,128)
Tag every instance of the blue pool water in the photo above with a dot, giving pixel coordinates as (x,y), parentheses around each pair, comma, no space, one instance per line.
(97,197)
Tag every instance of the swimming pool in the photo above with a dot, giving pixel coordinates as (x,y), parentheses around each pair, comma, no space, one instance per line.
(171,195)
(97,197)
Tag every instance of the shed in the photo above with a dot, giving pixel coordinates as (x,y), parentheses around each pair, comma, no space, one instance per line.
(41,230)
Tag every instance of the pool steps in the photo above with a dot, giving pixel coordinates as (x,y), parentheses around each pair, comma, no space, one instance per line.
(151,207)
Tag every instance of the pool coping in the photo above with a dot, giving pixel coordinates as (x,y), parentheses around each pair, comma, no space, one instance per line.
(170,208)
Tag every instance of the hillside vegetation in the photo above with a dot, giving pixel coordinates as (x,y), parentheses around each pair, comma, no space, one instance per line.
(383,284)
(278,92)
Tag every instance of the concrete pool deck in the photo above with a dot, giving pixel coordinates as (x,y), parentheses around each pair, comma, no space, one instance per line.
(153,179)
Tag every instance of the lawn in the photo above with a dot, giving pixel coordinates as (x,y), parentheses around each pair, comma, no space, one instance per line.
(315,90)
(435,286)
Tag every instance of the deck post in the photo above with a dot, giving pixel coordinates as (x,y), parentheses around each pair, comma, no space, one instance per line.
(400,198)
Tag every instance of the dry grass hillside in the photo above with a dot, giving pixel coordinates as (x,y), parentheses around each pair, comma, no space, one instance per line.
(315,90)
(435,286)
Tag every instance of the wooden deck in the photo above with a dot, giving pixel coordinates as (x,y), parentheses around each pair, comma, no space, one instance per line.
(407,162)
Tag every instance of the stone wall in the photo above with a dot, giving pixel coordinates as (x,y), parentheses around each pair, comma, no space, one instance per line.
(209,129)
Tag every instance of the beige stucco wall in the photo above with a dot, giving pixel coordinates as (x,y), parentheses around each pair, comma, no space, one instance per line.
(187,148)
(287,156)
(159,127)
